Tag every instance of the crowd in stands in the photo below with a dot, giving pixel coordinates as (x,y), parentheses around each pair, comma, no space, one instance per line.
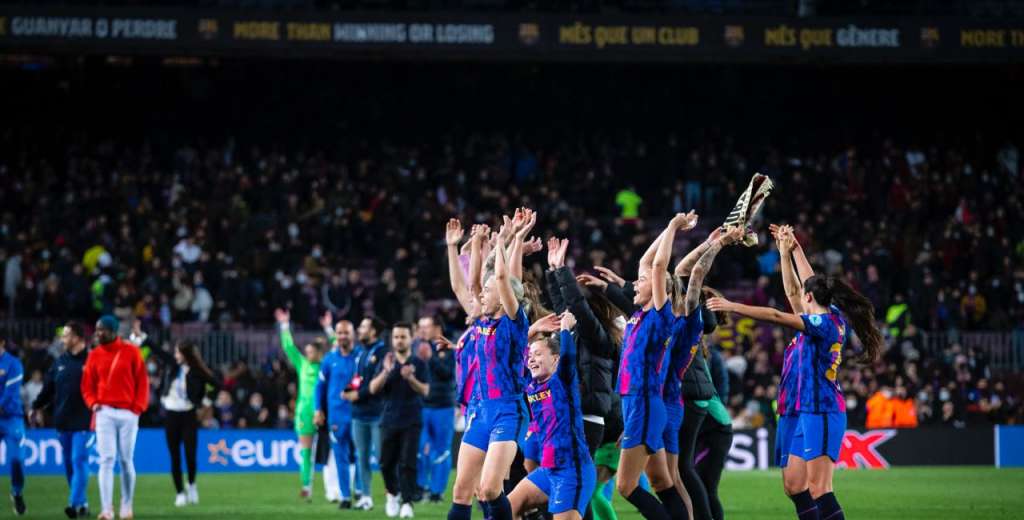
(167,229)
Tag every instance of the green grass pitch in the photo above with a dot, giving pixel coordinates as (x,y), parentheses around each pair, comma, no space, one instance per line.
(897,494)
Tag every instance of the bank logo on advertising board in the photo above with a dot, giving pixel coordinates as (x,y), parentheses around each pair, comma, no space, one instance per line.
(860,450)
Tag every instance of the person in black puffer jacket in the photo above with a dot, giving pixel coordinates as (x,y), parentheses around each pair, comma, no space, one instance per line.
(598,337)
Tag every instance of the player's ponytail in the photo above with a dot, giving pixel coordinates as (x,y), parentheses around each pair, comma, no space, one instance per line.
(829,290)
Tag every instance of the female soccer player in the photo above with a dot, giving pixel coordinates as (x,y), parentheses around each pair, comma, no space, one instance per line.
(686,334)
(565,479)
(501,413)
(642,371)
(307,366)
(811,406)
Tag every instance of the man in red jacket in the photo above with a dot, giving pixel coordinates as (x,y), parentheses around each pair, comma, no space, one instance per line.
(116,388)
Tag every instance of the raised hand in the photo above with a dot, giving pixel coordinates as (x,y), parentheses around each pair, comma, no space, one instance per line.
(506,230)
(610,276)
(684,221)
(282,316)
(545,325)
(389,362)
(479,232)
(732,235)
(453,232)
(568,321)
(553,253)
(327,320)
(589,280)
(563,246)
(531,246)
(720,304)
(529,219)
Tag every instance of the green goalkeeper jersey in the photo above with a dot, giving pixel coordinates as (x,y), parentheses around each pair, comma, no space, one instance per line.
(308,373)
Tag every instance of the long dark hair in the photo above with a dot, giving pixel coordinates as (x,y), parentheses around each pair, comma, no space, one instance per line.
(606,313)
(190,351)
(532,304)
(828,290)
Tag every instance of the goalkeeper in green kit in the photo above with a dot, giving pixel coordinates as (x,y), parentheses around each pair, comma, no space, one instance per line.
(307,366)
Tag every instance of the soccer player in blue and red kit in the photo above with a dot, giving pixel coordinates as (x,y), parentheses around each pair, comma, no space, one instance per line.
(502,416)
(811,406)
(642,370)
(566,477)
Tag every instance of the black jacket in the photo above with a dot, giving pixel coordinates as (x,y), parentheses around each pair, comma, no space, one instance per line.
(195,380)
(62,388)
(441,367)
(597,350)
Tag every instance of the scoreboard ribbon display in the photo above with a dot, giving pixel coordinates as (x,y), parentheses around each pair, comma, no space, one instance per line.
(193,32)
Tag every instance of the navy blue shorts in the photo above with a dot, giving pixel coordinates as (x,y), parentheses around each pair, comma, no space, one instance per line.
(809,436)
(643,418)
(673,422)
(498,420)
(567,488)
(475,434)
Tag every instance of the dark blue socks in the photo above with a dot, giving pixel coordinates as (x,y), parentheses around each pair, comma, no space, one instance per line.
(828,507)
(806,508)
(673,503)
(647,505)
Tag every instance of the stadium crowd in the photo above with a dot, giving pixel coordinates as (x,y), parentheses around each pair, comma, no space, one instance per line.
(222,234)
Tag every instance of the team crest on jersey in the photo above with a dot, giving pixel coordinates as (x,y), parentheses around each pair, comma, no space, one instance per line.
(539,396)
(2,372)
(441,354)
(815,320)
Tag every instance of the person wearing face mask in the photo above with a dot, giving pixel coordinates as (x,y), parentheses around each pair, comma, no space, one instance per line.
(184,386)
(115,386)
(565,478)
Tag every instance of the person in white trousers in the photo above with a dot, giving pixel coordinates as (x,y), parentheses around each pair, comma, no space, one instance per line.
(115,387)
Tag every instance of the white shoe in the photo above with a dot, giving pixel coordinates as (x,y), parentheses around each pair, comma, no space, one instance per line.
(180,500)
(365,503)
(333,498)
(406,511)
(392,505)
(126,512)
(192,493)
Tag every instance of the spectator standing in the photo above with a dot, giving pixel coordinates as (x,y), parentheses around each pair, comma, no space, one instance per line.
(115,386)
(62,394)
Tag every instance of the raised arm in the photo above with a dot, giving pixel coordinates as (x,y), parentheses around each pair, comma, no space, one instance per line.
(768,314)
(477,240)
(523,223)
(685,266)
(682,221)
(790,283)
(567,358)
(803,267)
(700,271)
(502,277)
(287,342)
(452,236)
